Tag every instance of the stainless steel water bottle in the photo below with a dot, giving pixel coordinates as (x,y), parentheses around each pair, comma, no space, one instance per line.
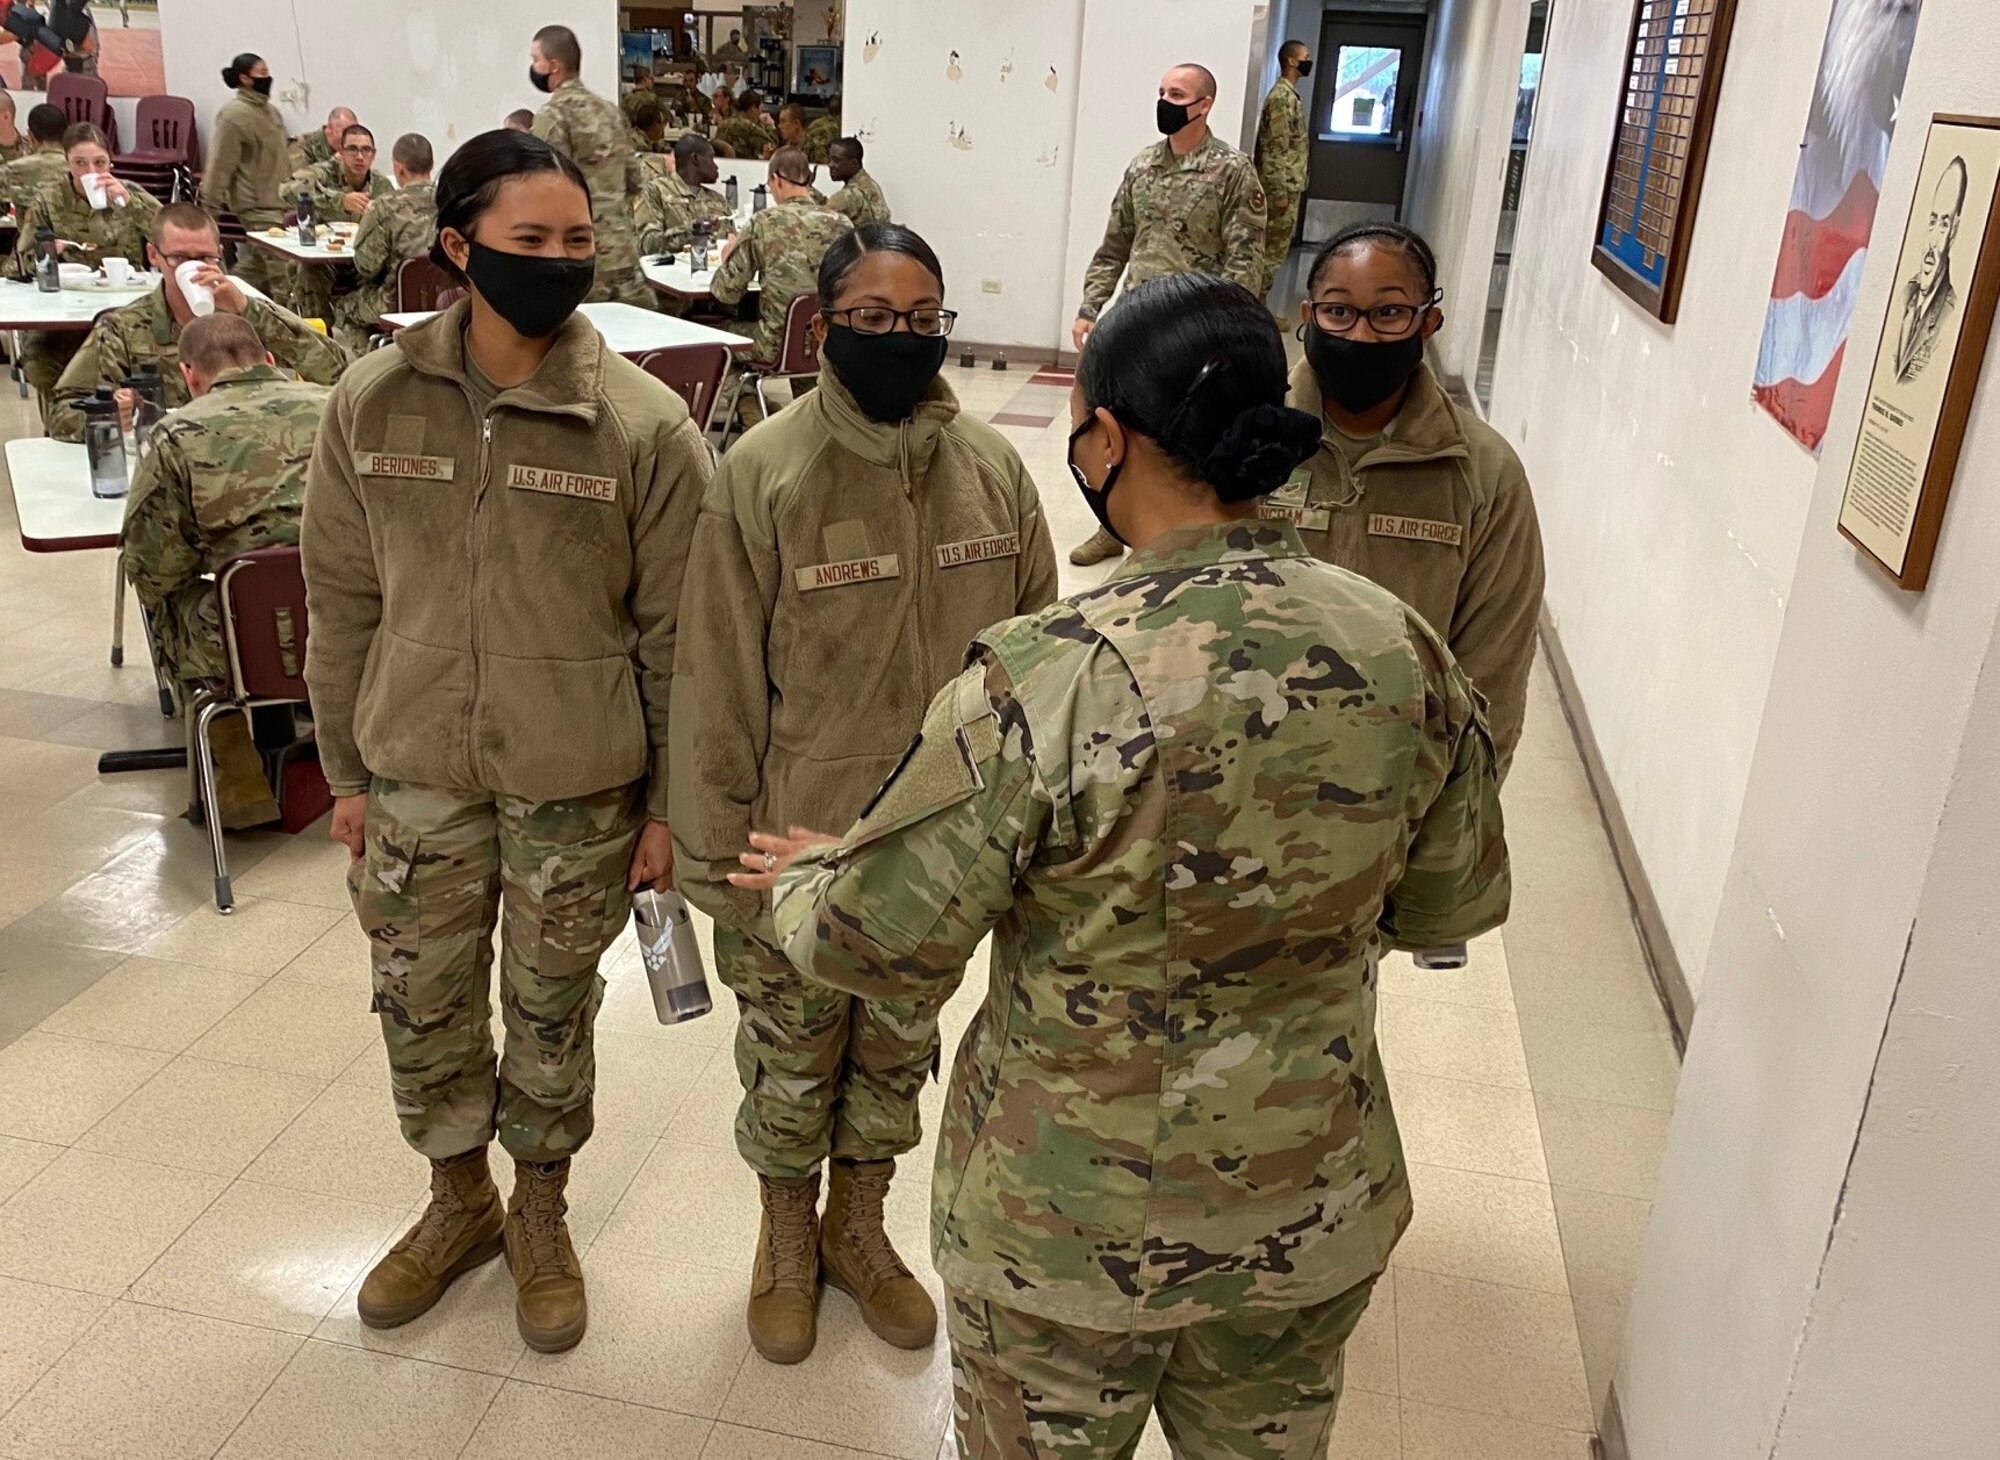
(672,956)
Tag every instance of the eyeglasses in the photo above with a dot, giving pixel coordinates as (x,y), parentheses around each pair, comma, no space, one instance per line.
(876,321)
(1386,321)
(175,260)
(358,151)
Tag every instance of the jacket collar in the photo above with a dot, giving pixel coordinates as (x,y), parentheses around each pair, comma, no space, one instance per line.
(908,444)
(1209,144)
(248,375)
(568,383)
(1212,544)
(159,315)
(1428,428)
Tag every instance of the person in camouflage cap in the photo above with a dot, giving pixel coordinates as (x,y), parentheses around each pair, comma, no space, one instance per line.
(672,205)
(396,227)
(222,475)
(592,132)
(860,196)
(1284,155)
(1189,204)
(149,328)
(85,235)
(1192,806)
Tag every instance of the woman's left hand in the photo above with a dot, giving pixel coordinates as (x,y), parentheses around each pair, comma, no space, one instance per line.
(653,859)
(775,853)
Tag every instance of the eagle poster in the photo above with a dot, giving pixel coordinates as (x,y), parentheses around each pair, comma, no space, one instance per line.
(1834,193)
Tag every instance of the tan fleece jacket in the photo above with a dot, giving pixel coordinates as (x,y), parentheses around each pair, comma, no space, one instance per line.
(1439,514)
(493,600)
(249,159)
(840,568)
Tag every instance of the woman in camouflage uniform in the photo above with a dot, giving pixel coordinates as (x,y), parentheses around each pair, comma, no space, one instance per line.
(1192,806)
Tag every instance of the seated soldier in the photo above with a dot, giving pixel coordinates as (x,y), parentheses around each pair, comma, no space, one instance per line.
(225,474)
(149,328)
(321,144)
(671,205)
(397,227)
(28,174)
(340,188)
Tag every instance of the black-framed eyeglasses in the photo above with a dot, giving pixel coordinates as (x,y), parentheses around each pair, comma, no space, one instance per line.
(1386,321)
(873,320)
(175,260)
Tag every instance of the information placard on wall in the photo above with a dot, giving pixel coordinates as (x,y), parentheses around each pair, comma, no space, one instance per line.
(1928,361)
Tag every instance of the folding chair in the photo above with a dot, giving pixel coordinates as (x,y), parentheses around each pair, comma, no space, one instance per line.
(419,284)
(166,135)
(798,358)
(694,372)
(261,597)
(85,99)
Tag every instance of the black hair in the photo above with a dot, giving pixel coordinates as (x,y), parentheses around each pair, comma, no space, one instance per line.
(691,147)
(558,43)
(413,151)
(47,123)
(792,164)
(851,146)
(1291,51)
(646,111)
(236,70)
(1196,365)
(846,251)
(1395,237)
(471,179)
(351,128)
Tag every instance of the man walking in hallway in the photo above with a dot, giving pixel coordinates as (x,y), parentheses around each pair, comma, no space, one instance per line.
(1283,156)
(1190,204)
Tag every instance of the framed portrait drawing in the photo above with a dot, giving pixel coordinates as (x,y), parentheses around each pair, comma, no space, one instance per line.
(1673,76)
(1933,343)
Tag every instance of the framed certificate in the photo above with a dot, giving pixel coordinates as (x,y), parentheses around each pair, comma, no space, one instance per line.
(1933,344)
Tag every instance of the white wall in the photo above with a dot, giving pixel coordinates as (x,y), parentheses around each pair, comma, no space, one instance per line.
(1015,205)
(1671,507)
(1819,1280)
(1458,158)
(446,68)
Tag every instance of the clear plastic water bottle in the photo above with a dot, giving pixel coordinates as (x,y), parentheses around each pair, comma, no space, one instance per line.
(672,957)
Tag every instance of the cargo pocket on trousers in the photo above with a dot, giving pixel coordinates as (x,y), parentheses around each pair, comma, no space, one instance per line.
(575,926)
(383,885)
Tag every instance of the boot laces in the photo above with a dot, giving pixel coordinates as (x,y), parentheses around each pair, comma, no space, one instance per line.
(790,1226)
(542,1213)
(447,1204)
(866,1192)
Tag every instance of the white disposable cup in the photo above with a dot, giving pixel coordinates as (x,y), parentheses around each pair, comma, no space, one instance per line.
(200,298)
(117,272)
(94,190)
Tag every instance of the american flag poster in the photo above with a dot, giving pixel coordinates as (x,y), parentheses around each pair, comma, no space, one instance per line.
(1834,194)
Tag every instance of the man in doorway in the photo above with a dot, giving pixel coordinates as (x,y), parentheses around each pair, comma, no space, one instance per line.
(1929,297)
(1283,154)
(731,50)
(1189,204)
(593,132)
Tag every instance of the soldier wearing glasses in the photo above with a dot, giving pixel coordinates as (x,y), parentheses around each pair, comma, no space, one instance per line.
(1407,489)
(847,551)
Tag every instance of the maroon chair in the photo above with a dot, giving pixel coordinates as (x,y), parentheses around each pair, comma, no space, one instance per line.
(166,136)
(421,285)
(85,99)
(261,596)
(694,372)
(798,358)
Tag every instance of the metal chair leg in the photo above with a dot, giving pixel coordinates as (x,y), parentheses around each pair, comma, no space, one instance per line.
(225,900)
(118,610)
(762,404)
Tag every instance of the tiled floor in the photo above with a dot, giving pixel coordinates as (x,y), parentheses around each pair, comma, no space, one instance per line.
(198,1158)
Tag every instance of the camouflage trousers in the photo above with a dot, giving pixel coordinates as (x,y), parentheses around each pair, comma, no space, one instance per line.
(259,266)
(1279,224)
(1261,1386)
(45,354)
(440,869)
(187,636)
(317,289)
(823,1072)
(619,279)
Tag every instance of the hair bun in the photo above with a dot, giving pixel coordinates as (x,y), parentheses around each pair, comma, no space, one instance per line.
(1262,447)
(230,76)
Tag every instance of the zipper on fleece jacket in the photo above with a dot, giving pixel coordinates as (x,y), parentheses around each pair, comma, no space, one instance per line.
(472,585)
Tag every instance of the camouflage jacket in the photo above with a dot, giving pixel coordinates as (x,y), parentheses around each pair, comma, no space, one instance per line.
(225,474)
(743,137)
(1202,213)
(399,225)
(821,133)
(860,198)
(145,330)
(21,146)
(326,184)
(309,149)
(25,176)
(593,132)
(834,551)
(248,161)
(112,232)
(669,209)
(1192,806)
(628,104)
(1283,148)
(783,246)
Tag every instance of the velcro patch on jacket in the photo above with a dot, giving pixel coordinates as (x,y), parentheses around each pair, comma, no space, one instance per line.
(562,483)
(1308,519)
(408,465)
(978,550)
(1415,529)
(854,570)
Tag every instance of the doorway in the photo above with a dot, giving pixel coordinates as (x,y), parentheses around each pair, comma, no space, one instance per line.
(1510,197)
(1363,111)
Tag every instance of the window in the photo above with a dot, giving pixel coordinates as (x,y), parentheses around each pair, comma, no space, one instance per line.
(1672,77)
(1364,92)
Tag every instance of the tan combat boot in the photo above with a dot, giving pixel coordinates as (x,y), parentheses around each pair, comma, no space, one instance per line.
(243,796)
(855,1251)
(549,1306)
(459,1230)
(1101,548)
(784,1285)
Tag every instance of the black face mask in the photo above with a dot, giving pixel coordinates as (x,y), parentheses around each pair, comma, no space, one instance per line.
(1097,498)
(533,294)
(539,80)
(1171,116)
(1358,375)
(261,85)
(886,374)
(1305,68)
